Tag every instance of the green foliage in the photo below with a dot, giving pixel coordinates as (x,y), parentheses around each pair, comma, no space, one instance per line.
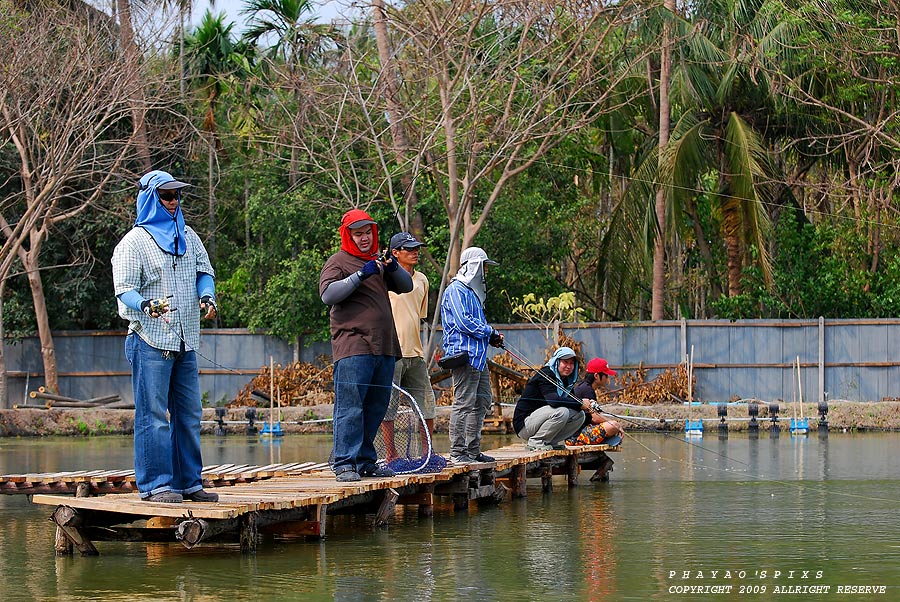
(770,100)
(275,285)
(548,313)
(561,308)
(820,270)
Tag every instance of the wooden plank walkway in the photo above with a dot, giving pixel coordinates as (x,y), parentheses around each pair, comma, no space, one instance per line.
(101,482)
(297,500)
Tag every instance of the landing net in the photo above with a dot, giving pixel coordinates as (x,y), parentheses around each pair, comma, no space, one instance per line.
(405,443)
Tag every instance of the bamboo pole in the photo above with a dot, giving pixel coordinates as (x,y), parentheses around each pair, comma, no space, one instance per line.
(271,394)
(794,390)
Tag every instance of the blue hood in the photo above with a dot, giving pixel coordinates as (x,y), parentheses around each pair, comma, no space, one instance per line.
(166,229)
(564,386)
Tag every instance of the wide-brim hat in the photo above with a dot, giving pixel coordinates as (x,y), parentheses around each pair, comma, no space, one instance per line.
(161,180)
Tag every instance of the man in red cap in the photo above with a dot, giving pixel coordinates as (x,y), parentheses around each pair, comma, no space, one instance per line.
(596,377)
(364,344)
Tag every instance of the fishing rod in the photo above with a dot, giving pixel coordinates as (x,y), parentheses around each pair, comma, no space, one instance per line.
(692,444)
(595,406)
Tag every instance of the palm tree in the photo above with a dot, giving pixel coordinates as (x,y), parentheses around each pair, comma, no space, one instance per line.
(723,107)
(665,69)
(298,41)
(210,53)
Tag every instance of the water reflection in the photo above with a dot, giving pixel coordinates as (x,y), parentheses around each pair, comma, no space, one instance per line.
(792,503)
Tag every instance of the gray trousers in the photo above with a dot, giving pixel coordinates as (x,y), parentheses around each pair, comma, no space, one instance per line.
(551,425)
(471,402)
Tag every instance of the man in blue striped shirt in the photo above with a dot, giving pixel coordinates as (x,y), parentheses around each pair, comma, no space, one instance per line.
(466,330)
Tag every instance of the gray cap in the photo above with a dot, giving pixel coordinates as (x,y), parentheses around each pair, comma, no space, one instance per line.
(360,223)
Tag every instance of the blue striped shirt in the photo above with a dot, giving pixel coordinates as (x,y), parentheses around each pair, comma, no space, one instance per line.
(465,326)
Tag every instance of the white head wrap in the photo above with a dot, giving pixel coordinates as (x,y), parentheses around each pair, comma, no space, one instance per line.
(471,270)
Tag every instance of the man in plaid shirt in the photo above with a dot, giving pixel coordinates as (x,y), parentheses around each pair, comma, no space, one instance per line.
(163,284)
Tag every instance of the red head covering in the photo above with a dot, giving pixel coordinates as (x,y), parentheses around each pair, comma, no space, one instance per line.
(598,365)
(357,218)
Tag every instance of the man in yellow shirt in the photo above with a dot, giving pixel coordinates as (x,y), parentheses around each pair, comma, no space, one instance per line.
(411,371)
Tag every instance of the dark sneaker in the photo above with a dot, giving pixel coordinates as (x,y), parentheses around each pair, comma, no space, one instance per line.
(484,458)
(165,497)
(348,476)
(377,471)
(559,445)
(461,460)
(202,496)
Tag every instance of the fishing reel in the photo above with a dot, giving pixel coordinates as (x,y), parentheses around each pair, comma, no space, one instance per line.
(595,407)
(156,306)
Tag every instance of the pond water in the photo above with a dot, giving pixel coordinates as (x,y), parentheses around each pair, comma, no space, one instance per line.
(769,518)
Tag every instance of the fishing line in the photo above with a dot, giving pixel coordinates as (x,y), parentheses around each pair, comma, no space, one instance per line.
(188,347)
(626,418)
(756,476)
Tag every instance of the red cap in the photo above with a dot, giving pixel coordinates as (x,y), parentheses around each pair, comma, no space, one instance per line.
(598,365)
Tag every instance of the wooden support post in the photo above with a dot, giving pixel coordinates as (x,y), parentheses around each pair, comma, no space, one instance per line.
(500,492)
(320,513)
(460,501)
(386,509)
(517,479)
(192,531)
(481,492)
(495,393)
(572,469)
(546,478)
(63,546)
(602,473)
(249,533)
(423,498)
(69,522)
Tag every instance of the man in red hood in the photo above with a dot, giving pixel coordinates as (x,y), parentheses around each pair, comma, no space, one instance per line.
(364,344)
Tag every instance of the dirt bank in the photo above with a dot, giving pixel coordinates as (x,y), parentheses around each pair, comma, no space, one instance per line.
(850,416)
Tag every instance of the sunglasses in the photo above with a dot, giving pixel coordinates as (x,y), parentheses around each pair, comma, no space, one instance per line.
(410,249)
(169,195)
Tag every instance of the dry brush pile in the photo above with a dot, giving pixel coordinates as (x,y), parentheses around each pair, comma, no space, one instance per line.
(299,384)
(629,386)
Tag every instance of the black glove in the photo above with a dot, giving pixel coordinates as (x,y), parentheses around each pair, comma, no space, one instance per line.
(155,306)
(370,268)
(496,339)
(391,265)
(206,302)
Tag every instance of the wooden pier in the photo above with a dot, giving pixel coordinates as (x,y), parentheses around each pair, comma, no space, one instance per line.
(101,482)
(297,503)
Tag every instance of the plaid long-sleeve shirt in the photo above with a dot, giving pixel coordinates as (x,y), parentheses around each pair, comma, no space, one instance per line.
(139,264)
(465,325)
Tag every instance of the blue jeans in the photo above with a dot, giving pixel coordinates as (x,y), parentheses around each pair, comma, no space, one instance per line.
(166,454)
(362,391)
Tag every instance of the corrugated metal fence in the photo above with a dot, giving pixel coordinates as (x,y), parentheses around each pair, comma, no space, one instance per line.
(842,359)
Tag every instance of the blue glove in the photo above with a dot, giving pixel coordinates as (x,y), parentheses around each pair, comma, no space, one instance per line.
(392,265)
(370,268)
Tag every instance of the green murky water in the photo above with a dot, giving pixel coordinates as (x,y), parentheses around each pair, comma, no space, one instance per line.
(770,518)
